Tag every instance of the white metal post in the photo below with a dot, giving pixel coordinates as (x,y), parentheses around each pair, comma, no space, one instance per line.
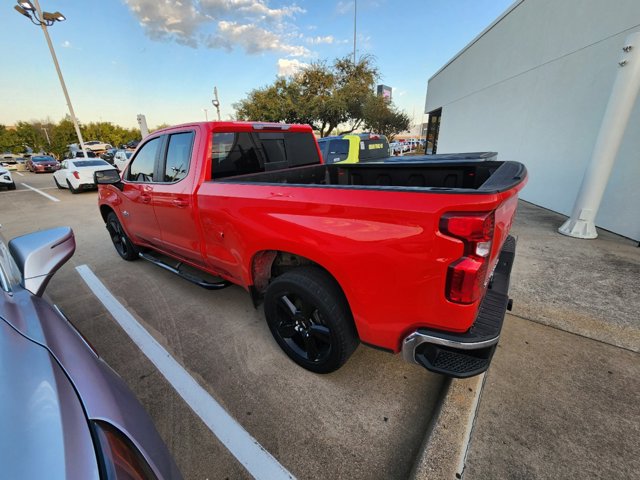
(581,224)
(64,86)
(216,101)
(142,122)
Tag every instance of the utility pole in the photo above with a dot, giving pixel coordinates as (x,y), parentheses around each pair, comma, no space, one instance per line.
(206,114)
(215,101)
(355,14)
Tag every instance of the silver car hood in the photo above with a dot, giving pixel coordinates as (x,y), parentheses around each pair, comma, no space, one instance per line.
(103,394)
(45,433)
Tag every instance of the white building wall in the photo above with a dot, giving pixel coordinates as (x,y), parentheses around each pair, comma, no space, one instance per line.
(534,88)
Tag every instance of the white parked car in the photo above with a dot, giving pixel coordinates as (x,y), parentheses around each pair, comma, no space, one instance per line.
(121,158)
(96,146)
(77,174)
(6,180)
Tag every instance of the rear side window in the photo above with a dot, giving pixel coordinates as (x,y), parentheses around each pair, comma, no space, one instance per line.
(178,156)
(141,168)
(247,152)
(373,149)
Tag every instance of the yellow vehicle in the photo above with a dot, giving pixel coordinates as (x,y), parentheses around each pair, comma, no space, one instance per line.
(354,148)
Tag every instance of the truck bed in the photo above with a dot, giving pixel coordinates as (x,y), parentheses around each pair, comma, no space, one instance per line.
(453,176)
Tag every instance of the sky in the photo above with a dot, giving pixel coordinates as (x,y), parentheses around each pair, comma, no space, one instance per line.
(162,58)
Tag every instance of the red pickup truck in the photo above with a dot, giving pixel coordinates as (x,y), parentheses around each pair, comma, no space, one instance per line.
(412,258)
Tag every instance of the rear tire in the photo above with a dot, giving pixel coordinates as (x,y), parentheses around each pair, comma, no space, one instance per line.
(57,184)
(125,248)
(309,318)
(71,189)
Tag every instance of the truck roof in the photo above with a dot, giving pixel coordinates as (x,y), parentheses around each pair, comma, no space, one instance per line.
(241,126)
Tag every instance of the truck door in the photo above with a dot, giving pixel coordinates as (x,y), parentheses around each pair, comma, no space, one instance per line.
(136,210)
(174,198)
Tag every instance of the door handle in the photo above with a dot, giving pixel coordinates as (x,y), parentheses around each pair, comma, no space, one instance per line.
(145,198)
(180,203)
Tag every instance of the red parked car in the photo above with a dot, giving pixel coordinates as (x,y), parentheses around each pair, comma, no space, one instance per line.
(42,163)
(407,257)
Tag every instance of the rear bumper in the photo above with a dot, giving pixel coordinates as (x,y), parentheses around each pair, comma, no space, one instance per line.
(467,354)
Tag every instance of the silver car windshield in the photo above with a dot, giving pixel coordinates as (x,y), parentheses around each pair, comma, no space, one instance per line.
(9,273)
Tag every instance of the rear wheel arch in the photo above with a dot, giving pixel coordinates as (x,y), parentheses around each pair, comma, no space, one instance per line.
(267,265)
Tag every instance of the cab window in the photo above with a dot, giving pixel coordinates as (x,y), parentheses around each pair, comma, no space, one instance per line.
(234,154)
(142,167)
(244,153)
(178,156)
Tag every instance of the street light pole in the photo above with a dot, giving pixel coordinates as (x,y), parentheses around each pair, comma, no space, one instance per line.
(43,24)
(355,14)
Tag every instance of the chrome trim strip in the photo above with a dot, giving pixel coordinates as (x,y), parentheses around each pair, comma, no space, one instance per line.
(412,341)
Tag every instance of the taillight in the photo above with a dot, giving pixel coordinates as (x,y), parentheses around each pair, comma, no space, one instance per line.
(119,458)
(467,276)
(76,174)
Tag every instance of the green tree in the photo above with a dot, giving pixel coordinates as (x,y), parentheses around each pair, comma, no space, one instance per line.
(9,141)
(62,134)
(328,97)
(384,118)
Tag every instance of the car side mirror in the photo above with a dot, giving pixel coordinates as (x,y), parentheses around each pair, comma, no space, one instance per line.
(108,177)
(39,255)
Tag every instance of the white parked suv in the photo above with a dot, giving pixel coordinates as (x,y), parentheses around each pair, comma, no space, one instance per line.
(6,180)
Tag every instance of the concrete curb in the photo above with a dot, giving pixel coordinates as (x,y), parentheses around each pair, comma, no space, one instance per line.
(444,450)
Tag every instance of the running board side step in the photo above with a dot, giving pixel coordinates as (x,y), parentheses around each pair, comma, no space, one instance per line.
(187,276)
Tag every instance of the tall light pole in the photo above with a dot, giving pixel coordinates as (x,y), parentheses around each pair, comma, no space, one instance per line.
(355,14)
(44,20)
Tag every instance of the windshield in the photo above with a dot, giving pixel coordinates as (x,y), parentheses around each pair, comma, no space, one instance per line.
(42,159)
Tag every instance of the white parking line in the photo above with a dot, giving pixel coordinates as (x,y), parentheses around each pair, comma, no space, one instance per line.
(21,174)
(258,462)
(54,199)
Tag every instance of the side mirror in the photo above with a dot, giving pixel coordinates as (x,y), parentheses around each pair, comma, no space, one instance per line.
(39,255)
(108,177)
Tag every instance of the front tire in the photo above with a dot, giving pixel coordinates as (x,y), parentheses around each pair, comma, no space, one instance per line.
(309,317)
(12,186)
(125,248)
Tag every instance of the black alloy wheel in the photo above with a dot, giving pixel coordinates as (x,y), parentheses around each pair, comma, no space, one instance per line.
(125,248)
(310,319)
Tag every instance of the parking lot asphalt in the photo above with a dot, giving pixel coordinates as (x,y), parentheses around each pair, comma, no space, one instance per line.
(367,420)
